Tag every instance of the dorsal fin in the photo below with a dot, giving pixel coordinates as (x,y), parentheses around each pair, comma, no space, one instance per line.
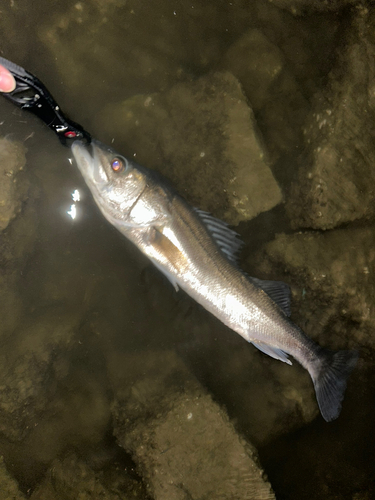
(230,244)
(278,291)
(227,239)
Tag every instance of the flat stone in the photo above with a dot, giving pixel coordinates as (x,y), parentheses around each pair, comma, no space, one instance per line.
(27,359)
(264,62)
(332,275)
(73,478)
(12,161)
(204,138)
(336,178)
(181,440)
(271,88)
(17,243)
(299,7)
(119,48)
(9,488)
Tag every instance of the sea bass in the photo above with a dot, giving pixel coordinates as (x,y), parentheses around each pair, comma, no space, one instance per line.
(197,253)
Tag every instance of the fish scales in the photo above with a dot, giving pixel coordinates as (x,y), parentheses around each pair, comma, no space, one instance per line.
(207,276)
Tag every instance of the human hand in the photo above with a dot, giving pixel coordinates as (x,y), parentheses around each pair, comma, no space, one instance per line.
(7,81)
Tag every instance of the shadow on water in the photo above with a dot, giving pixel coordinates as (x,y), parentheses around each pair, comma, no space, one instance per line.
(81,303)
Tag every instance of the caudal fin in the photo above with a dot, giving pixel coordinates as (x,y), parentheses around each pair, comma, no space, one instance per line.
(330,380)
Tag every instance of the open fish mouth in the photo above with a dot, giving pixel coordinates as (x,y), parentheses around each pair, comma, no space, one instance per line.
(88,160)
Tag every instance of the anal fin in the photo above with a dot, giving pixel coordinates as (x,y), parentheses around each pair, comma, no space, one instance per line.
(168,275)
(274,352)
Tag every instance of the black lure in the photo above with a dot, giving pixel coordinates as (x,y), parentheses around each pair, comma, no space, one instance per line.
(32,95)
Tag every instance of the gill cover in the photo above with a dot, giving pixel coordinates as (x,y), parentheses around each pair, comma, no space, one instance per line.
(115,182)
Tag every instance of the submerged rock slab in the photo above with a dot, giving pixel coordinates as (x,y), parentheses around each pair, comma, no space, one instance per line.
(272,90)
(181,440)
(336,179)
(17,243)
(203,137)
(298,7)
(72,478)
(12,161)
(123,47)
(333,283)
(27,361)
(263,60)
(8,486)
(266,397)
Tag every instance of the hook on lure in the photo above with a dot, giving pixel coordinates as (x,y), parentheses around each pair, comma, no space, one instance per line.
(32,95)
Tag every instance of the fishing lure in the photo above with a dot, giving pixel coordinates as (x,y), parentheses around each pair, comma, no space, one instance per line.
(31,95)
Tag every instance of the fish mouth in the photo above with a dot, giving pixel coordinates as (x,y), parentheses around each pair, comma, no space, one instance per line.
(88,159)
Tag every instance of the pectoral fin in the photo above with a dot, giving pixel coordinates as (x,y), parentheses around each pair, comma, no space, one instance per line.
(165,252)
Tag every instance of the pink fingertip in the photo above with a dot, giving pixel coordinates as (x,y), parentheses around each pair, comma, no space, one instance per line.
(7,82)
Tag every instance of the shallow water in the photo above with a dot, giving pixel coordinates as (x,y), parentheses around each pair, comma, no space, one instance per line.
(105,297)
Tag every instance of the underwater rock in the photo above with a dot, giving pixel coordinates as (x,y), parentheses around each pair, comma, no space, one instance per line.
(293,38)
(333,288)
(263,64)
(182,442)
(17,233)
(70,478)
(17,243)
(14,15)
(204,138)
(299,7)
(11,303)
(267,398)
(120,48)
(69,409)
(336,177)
(9,488)
(12,192)
(272,90)
(28,361)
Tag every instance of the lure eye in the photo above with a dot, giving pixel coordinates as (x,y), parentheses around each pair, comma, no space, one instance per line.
(117,165)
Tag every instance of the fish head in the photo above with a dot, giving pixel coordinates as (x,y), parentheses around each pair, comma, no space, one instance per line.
(115,182)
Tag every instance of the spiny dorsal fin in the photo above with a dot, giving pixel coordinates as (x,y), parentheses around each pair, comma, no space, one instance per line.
(227,239)
(230,244)
(278,291)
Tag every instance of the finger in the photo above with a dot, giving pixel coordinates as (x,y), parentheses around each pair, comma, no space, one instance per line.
(7,82)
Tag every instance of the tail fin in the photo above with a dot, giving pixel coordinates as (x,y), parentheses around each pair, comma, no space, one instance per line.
(330,380)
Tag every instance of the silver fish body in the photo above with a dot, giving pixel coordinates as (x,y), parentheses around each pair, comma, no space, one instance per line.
(198,254)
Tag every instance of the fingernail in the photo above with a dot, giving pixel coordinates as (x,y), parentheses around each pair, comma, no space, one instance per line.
(7,82)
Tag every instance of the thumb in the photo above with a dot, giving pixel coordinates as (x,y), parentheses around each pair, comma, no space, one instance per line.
(7,82)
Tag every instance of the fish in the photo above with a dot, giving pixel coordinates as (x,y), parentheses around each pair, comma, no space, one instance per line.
(199,254)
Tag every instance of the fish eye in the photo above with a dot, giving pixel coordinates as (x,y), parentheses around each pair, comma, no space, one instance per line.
(117,165)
